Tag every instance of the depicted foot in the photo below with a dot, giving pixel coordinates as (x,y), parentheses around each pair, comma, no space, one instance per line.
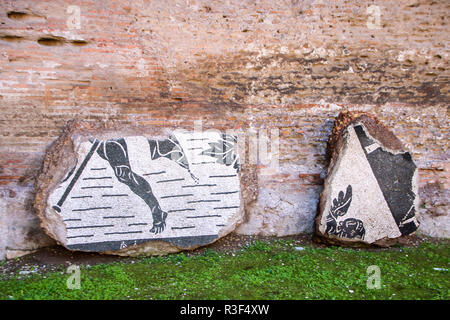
(160,225)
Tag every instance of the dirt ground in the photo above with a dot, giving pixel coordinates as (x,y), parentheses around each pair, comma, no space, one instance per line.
(57,258)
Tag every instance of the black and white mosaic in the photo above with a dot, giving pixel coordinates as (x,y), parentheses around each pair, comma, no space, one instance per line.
(130,190)
(370,193)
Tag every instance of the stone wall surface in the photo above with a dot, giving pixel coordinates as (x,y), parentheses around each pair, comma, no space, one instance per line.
(286,65)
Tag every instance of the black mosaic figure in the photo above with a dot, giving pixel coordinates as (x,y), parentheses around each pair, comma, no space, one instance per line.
(349,228)
(224,151)
(394,174)
(171,149)
(115,152)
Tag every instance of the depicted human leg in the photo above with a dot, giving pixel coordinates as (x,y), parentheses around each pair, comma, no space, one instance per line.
(171,149)
(115,152)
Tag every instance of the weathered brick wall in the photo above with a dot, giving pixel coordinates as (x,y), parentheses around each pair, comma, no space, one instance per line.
(290,65)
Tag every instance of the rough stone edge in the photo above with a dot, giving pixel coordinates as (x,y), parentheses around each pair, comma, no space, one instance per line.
(45,177)
(335,145)
(65,142)
(377,130)
(12,253)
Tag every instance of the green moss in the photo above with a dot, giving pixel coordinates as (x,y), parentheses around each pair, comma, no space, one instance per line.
(264,270)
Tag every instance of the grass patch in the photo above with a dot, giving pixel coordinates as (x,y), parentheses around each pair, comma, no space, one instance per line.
(264,270)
